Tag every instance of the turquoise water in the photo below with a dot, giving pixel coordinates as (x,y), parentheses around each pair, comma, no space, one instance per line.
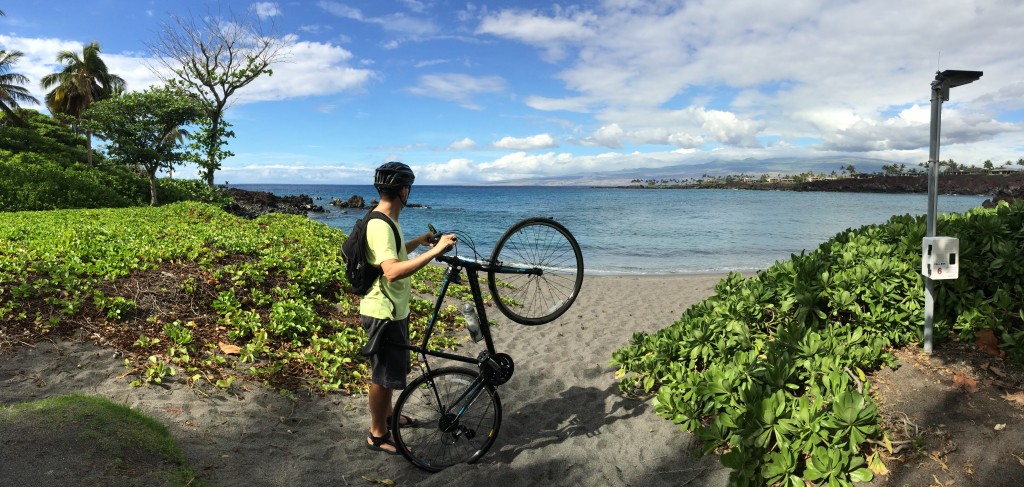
(626,231)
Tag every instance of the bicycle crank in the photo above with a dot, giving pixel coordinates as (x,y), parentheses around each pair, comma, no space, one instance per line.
(496,369)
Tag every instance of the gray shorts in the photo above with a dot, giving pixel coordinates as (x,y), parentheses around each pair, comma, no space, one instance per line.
(390,365)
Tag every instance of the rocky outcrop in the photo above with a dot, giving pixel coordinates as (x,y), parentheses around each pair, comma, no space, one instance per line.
(967,184)
(1008,196)
(251,204)
(355,201)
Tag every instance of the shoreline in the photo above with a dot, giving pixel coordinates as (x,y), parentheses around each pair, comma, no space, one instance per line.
(949,184)
(563,416)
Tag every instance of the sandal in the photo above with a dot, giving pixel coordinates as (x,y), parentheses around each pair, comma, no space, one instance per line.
(377,441)
(406,422)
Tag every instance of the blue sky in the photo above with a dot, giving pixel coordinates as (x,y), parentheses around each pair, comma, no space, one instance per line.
(474,92)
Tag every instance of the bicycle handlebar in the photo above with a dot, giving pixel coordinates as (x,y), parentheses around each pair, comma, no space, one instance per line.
(454,260)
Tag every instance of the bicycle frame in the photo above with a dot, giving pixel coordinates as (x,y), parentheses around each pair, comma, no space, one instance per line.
(452,275)
(540,271)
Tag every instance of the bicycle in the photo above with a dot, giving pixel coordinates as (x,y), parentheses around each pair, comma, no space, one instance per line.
(458,408)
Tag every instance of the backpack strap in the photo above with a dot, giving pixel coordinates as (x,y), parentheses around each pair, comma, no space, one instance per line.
(380,216)
(398,241)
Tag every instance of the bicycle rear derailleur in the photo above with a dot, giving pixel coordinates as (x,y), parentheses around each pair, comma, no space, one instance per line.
(495,369)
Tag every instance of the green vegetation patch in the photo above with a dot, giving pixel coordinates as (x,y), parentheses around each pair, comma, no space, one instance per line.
(97,441)
(771,371)
(191,293)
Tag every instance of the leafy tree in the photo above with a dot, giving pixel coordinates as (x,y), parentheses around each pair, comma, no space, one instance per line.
(987,164)
(208,143)
(145,128)
(1020,162)
(83,80)
(214,59)
(11,91)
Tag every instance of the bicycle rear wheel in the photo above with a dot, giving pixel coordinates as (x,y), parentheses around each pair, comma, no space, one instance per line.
(453,427)
(540,244)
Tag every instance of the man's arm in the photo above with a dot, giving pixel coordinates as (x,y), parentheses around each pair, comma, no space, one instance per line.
(395,270)
(416,242)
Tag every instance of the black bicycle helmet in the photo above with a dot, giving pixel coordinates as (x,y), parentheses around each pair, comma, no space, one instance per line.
(392,175)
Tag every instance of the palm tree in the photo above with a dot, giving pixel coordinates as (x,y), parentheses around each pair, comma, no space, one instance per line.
(175,135)
(83,80)
(11,91)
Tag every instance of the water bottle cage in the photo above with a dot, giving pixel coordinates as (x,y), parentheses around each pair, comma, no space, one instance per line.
(496,369)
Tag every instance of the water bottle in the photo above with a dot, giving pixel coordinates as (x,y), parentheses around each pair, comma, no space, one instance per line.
(472,321)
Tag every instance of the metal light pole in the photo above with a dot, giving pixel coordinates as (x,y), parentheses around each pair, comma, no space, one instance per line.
(940,92)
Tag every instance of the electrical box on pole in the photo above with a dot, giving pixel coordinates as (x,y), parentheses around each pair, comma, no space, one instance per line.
(940,257)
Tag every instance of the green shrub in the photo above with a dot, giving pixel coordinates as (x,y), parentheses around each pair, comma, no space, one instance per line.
(771,370)
(268,285)
(174,190)
(43,167)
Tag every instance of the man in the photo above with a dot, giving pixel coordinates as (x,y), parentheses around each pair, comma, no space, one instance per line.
(385,308)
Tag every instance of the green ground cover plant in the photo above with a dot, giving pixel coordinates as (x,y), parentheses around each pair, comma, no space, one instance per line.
(189,292)
(771,371)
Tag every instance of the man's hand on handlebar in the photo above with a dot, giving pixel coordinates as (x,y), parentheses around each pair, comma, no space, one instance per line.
(434,239)
(445,242)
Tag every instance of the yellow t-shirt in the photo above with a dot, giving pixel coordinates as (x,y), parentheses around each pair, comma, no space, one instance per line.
(381,246)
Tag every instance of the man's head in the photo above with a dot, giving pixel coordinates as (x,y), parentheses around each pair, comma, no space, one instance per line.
(391,178)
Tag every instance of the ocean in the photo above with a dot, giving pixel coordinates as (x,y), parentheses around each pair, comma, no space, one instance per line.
(632,231)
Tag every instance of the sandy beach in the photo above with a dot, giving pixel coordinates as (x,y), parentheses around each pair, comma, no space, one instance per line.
(564,422)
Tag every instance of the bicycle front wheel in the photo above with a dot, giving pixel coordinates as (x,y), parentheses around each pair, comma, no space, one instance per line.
(543,271)
(458,418)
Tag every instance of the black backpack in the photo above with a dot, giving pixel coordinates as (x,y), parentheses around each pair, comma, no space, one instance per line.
(358,270)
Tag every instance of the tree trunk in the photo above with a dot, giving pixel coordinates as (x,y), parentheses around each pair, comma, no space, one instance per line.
(88,146)
(210,158)
(152,188)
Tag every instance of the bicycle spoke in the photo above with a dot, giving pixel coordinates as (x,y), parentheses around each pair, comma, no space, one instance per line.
(537,244)
(460,428)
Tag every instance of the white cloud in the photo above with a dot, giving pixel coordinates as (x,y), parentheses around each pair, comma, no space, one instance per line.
(686,141)
(311,69)
(415,5)
(541,141)
(610,136)
(577,104)
(288,167)
(429,62)
(686,129)
(917,114)
(464,144)
(460,88)
(795,72)
(266,10)
(40,55)
(341,10)
(549,33)
(400,23)
(727,128)
(454,170)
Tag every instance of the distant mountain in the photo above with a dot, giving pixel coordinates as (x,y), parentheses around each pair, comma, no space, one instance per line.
(750,166)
